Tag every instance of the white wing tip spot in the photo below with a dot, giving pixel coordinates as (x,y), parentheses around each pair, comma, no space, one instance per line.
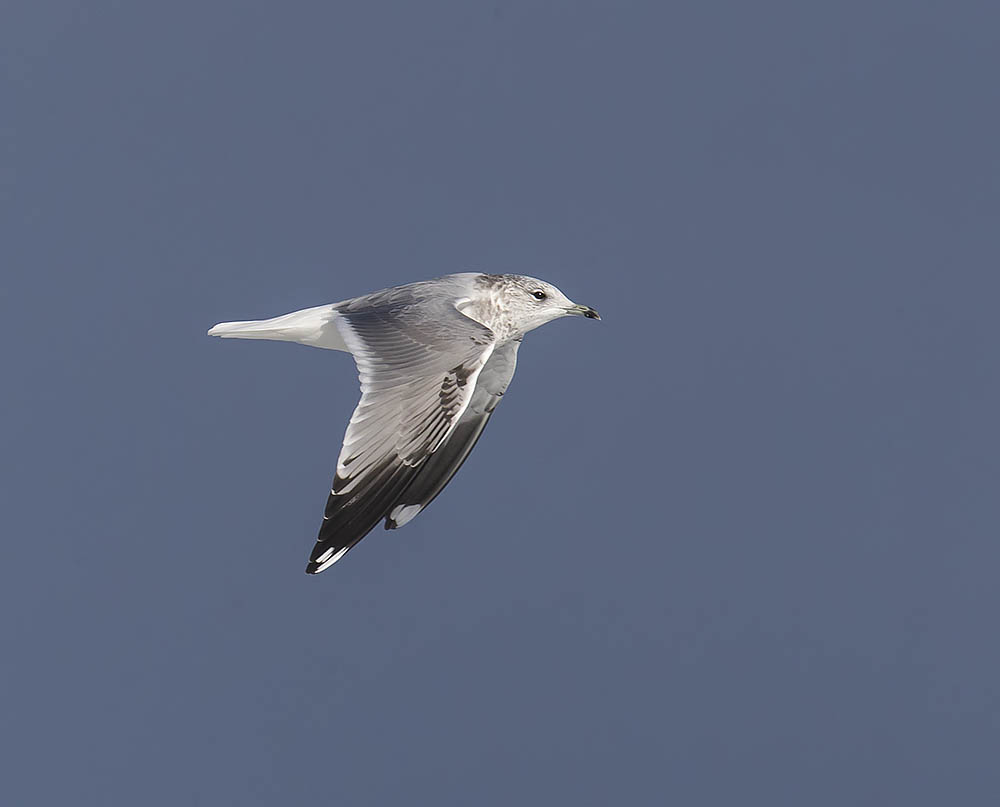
(328,558)
(404,513)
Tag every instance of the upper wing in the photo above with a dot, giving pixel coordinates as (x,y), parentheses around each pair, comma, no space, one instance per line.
(441,466)
(419,359)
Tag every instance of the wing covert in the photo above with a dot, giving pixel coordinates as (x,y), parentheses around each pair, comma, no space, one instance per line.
(443,464)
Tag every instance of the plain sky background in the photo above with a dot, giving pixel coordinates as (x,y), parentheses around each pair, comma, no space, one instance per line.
(735,544)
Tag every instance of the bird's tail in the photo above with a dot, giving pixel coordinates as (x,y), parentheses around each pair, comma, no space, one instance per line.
(311,326)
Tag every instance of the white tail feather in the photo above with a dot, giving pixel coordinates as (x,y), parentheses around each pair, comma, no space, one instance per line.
(311,326)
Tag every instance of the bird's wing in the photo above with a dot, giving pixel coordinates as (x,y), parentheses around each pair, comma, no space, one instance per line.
(419,359)
(442,465)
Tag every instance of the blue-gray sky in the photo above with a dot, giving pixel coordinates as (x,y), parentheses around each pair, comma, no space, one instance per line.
(738,543)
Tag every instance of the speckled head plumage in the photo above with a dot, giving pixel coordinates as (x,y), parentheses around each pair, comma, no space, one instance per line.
(525,303)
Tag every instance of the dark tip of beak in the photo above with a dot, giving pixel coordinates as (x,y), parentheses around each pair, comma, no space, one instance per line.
(590,313)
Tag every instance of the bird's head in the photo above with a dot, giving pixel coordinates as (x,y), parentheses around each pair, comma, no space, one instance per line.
(532,302)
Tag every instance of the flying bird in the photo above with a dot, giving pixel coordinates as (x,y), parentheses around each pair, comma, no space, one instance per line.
(434,358)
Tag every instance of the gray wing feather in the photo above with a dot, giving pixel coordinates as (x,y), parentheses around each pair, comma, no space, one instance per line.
(444,463)
(418,359)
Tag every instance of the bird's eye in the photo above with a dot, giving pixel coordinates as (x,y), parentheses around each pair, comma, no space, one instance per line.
(538,295)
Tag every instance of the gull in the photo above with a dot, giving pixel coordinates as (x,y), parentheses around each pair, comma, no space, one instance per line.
(434,358)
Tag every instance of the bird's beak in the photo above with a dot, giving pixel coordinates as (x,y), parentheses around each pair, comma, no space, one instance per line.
(583,311)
